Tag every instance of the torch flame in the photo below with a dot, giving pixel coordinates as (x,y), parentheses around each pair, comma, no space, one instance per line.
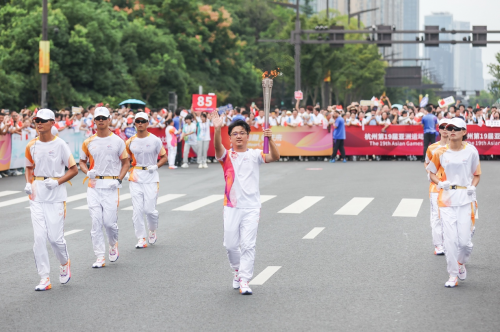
(272,74)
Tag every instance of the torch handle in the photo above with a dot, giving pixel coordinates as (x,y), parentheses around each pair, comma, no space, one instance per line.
(266,142)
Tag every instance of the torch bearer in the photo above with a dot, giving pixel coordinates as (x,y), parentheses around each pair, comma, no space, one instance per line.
(267,87)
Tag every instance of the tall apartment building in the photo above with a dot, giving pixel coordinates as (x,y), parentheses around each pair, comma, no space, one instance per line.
(458,66)
(442,57)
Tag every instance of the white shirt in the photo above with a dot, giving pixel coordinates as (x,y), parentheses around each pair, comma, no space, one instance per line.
(258,121)
(241,172)
(273,121)
(191,139)
(204,131)
(105,155)
(49,160)
(170,133)
(317,119)
(144,152)
(459,168)
(353,122)
(296,121)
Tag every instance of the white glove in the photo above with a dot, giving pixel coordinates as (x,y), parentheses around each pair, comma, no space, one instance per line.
(91,174)
(127,175)
(114,185)
(471,190)
(50,183)
(27,189)
(444,185)
(152,168)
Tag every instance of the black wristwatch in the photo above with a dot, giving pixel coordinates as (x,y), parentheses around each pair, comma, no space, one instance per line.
(119,180)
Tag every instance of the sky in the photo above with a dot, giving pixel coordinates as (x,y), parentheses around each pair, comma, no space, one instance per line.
(477,12)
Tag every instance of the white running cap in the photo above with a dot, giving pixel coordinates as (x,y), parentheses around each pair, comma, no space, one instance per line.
(101,111)
(45,114)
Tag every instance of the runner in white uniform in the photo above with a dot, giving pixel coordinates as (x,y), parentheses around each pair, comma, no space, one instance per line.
(144,149)
(436,222)
(46,159)
(171,137)
(109,162)
(242,196)
(457,196)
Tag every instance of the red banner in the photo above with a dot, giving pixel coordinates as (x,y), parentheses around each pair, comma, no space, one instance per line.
(316,141)
(409,140)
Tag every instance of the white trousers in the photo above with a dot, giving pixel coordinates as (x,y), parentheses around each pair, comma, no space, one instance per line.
(240,235)
(457,225)
(144,197)
(48,223)
(185,153)
(202,151)
(436,222)
(103,206)
(172,153)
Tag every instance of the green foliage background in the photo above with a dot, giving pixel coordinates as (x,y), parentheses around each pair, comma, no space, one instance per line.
(111,50)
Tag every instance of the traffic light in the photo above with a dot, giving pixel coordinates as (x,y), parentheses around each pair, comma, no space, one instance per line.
(384,39)
(172,101)
(479,36)
(431,35)
(464,93)
(337,36)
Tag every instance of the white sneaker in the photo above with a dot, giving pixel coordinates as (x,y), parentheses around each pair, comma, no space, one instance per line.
(44,285)
(113,253)
(462,272)
(152,237)
(236,280)
(244,289)
(100,262)
(205,165)
(439,250)
(185,165)
(141,244)
(200,165)
(452,282)
(65,273)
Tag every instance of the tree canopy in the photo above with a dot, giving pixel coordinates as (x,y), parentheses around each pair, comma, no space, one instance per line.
(111,50)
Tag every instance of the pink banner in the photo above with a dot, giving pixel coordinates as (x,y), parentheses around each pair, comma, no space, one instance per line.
(5,152)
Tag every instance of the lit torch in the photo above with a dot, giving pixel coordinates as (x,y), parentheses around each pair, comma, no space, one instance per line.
(267,87)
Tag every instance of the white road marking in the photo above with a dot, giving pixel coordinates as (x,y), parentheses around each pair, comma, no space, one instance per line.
(313,233)
(72,232)
(8,192)
(123,197)
(264,275)
(76,197)
(408,207)
(302,204)
(265,198)
(15,201)
(354,206)
(200,203)
(161,199)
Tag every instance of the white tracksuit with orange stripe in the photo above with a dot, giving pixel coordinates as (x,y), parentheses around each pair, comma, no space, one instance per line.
(48,207)
(104,155)
(436,222)
(457,208)
(144,185)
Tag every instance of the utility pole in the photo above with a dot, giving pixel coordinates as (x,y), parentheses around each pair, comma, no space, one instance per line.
(297,41)
(44,38)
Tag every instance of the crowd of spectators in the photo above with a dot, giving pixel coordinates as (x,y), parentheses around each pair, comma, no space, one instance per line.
(364,113)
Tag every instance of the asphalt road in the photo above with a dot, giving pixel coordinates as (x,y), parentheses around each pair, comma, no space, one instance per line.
(370,271)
